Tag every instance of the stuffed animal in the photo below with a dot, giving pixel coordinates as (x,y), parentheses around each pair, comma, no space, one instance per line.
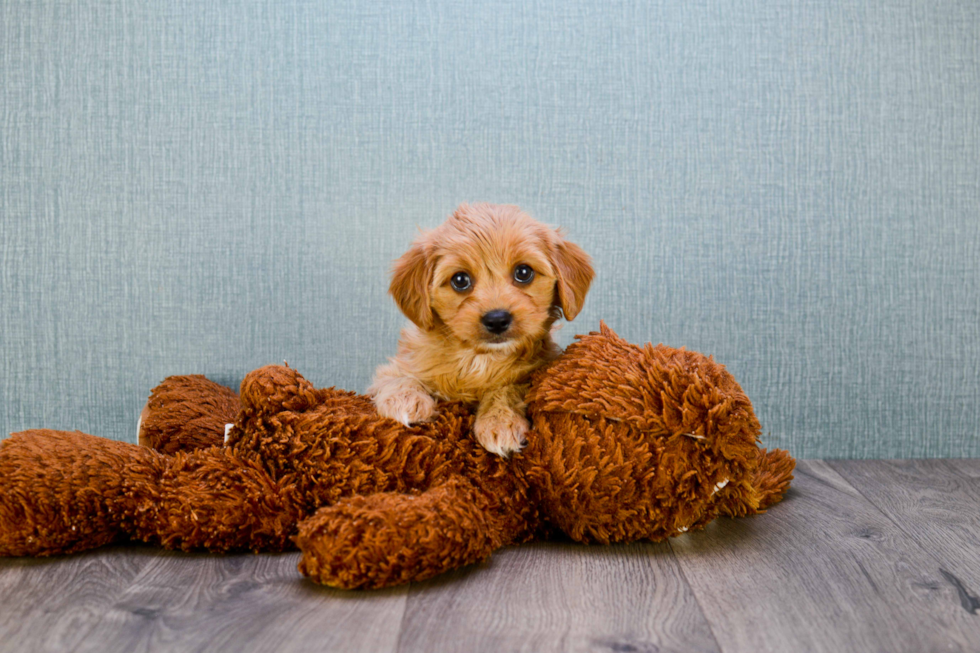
(627,443)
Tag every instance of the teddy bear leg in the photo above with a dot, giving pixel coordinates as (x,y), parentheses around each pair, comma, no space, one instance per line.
(185,413)
(391,538)
(63,492)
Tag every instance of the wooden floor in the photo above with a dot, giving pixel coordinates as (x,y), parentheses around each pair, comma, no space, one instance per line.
(861,556)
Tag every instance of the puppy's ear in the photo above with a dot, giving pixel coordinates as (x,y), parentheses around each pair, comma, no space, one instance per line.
(573,267)
(410,279)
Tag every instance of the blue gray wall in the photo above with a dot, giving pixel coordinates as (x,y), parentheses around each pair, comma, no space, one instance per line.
(789,185)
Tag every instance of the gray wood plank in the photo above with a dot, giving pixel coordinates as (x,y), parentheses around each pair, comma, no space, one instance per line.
(200,602)
(559,597)
(50,604)
(936,503)
(968,467)
(823,571)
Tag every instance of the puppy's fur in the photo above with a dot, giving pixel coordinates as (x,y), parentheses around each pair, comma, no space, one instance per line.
(450,352)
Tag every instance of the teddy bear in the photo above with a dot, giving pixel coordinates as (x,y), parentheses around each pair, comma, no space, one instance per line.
(627,443)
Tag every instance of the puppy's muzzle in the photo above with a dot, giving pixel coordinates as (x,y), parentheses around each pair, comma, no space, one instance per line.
(497,321)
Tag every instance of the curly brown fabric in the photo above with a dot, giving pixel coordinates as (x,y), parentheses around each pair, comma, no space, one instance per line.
(627,443)
(171,423)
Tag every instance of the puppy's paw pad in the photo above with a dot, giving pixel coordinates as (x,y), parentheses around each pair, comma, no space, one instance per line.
(502,433)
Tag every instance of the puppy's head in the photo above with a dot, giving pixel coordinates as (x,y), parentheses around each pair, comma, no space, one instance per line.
(492,277)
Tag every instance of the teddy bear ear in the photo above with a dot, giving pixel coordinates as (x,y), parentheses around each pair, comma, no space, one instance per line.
(573,268)
(410,280)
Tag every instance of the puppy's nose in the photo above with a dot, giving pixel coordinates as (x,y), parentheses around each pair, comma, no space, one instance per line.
(497,321)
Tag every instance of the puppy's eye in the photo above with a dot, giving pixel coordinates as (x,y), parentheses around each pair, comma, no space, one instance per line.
(523,273)
(461,282)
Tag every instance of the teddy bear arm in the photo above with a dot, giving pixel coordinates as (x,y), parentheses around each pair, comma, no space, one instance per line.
(275,388)
(392,538)
(219,500)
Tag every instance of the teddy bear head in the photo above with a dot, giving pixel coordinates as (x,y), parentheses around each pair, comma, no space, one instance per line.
(638,442)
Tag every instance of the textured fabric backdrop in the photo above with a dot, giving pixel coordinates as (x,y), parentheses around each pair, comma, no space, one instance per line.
(792,186)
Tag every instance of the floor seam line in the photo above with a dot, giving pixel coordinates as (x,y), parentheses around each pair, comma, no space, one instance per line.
(694,593)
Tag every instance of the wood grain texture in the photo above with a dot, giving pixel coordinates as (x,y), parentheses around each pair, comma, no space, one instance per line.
(824,571)
(936,503)
(242,603)
(560,597)
(51,604)
(968,467)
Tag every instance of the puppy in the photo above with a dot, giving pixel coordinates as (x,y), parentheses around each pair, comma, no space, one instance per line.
(482,291)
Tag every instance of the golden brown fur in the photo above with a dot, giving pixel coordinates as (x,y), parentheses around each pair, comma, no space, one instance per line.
(448,353)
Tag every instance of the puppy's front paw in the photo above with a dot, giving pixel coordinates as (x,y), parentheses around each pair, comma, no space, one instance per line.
(407,405)
(502,432)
